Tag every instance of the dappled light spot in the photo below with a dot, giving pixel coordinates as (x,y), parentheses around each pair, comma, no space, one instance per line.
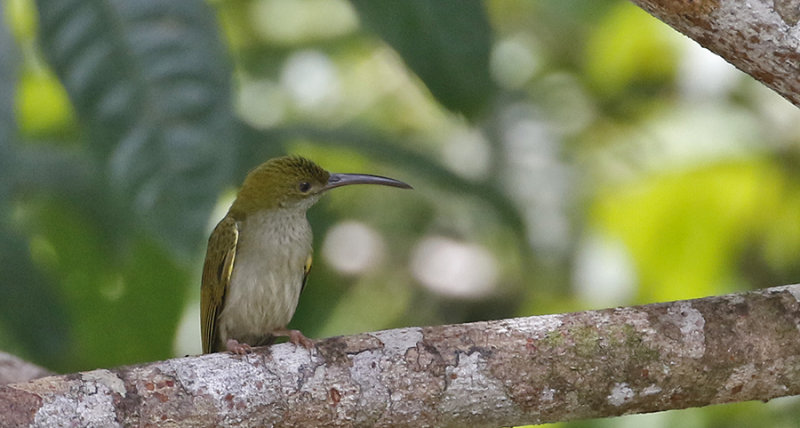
(454,268)
(352,247)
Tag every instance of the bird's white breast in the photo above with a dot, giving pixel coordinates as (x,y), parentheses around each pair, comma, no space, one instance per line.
(267,274)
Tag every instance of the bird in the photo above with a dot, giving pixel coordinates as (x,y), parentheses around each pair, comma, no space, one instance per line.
(259,255)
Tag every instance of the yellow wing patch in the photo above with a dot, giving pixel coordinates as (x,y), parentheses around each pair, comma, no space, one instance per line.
(220,257)
(306,270)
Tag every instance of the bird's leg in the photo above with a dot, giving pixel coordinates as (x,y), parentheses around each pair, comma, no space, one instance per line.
(295,336)
(235,347)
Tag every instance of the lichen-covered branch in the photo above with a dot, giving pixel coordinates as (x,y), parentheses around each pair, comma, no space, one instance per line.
(760,37)
(509,372)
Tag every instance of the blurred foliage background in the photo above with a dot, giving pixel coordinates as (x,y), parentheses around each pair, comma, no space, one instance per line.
(566,156)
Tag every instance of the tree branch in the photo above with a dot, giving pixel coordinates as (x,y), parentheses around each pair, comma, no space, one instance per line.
(517,371)
(760,37)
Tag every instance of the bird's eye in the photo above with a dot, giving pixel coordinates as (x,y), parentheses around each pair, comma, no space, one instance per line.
(304,186)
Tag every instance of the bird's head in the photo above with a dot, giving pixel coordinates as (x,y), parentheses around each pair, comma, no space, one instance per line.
(294,182)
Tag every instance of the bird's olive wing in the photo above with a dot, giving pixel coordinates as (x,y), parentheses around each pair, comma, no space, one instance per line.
(217,278)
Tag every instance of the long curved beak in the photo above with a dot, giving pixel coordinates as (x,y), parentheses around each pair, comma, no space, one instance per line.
(339,180)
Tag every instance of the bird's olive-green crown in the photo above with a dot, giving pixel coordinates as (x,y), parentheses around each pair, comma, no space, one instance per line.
(279,183)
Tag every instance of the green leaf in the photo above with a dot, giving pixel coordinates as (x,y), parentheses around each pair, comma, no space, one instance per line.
(51,170)
(150,82)
(446,43)
(119,311)
(30,308)
(8,80)
(617,63)
(685,230)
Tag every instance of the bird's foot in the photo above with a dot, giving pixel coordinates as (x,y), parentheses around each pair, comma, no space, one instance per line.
(295,336)
(233,345)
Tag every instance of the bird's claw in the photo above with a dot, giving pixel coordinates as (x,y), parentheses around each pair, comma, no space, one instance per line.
(233,346)
(296,337)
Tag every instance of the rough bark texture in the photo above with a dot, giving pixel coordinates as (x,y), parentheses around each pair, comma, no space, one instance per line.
(760,37)
(13,370)
(517,371)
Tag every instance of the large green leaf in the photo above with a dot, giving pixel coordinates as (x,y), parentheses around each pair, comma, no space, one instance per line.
(30,309)
(685,231)
(446,43)
(118,311)
(8,79)
(31,314)
(151,84)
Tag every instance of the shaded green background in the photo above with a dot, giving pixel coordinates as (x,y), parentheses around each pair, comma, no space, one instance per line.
(566,156)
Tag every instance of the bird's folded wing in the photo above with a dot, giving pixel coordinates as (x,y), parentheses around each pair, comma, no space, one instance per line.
(217,278)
